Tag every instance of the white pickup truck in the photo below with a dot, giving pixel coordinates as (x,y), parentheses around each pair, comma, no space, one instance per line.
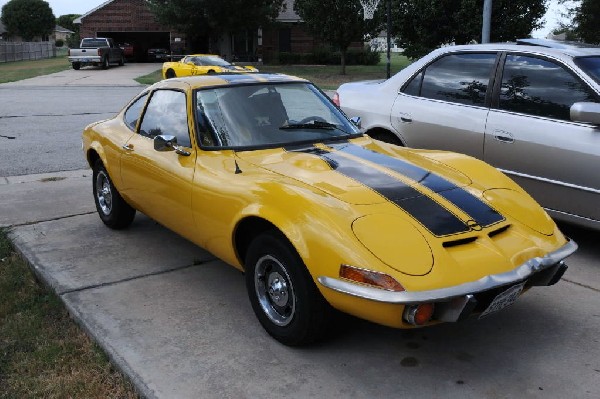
(97,51)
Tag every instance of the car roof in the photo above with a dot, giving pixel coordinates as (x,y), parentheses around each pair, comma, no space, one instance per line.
(238,79)
(203,55)
(541,46)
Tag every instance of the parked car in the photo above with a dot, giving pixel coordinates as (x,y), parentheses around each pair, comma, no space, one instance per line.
(97,51)
(201,64)
(533,111)
(158,55)
(268,175)
(128,50)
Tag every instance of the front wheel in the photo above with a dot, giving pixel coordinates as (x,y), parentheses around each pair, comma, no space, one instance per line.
(282,293)
(112,208)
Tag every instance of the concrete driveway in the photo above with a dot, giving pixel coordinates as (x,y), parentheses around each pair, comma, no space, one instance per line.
(118,76)
(178,323)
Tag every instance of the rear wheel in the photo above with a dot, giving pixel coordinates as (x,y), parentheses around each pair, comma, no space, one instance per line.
(111,207)
(283,295)
(76,66)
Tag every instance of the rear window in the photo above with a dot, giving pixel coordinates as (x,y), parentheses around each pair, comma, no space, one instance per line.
(590,65)
(93,43)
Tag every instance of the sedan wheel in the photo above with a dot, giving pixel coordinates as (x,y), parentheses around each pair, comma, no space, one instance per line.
(283,295)
(111,207)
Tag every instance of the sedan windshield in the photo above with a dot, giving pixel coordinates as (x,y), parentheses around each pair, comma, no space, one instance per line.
(268,115)
(590,65)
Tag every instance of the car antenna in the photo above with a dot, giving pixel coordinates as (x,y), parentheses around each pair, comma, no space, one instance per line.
(237,168)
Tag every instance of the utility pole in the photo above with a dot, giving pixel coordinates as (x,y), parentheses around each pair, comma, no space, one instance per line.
(487,21)
(389,38)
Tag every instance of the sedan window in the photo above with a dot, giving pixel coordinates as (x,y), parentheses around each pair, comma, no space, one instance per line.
(590,65)
(540,87)
(458,78)
(166,114)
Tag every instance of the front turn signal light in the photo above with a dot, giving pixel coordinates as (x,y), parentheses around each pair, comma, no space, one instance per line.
(370,277)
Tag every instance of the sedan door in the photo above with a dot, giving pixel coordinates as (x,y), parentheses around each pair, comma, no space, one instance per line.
(530,136)
(160,183)
(446,104)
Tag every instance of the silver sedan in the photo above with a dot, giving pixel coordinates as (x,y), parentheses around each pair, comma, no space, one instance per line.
(531,108)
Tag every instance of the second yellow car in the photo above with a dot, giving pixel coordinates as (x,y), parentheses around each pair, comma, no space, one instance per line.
(201,64)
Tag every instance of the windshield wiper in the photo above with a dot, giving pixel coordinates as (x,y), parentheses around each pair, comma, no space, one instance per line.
(311,125)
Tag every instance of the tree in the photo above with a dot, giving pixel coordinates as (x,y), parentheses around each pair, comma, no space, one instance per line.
(423,25)
(28,18)
(66,21)
(587,21)
(208,18)
(338,22)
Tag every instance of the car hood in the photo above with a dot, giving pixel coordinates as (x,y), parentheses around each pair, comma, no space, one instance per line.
(357,174)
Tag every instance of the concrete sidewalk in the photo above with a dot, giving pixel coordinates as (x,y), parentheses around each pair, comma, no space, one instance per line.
(178,322)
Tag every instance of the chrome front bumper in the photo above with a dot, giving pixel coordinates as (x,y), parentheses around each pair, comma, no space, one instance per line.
(541,271)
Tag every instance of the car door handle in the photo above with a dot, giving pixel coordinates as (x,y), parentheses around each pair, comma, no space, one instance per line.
(503,136)
(406,118)
(127,147)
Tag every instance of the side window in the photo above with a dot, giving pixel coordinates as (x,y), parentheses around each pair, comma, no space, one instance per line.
(459,78)
(413,88)
(166,114)
(539,87)
(133,112)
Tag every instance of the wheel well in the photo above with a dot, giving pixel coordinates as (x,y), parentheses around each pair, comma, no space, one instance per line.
(92,157)
(384,135)
(246,231)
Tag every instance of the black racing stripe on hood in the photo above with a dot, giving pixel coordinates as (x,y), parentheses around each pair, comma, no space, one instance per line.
(478,210)
(432,215)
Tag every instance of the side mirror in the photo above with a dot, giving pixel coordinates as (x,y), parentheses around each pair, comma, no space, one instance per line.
(163,143)
(586,112)
(356,120)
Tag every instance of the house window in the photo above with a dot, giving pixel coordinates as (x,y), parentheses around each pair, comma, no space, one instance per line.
(285,40)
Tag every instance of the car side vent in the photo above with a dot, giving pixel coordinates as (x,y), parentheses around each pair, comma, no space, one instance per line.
(498,231)
(461,241)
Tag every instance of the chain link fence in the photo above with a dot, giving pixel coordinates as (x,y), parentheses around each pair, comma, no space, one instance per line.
(14,51)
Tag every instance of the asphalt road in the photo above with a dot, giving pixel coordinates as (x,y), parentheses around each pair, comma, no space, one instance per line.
(178,323)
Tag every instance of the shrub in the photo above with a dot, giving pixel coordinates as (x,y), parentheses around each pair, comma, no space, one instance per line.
(325,56)
(59,43)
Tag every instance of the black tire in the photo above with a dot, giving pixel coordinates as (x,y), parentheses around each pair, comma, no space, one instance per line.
(282,293)
(122,61)
(170,74)
(112,208)
(105,63)
(76,66)
(211,72)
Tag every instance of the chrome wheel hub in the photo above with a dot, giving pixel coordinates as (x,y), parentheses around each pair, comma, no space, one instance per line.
(103,193)
(274,290)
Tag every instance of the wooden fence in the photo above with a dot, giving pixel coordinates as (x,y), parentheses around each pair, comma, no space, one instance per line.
(14,51)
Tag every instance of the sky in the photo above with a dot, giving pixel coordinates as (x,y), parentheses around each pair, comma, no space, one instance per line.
(62,7)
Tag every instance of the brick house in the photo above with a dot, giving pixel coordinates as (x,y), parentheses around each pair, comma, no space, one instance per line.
(130,21)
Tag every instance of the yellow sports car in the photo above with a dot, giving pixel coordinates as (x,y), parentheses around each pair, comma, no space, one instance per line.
(265,172)
(201,64)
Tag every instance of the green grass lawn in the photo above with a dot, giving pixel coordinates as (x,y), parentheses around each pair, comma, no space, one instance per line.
(19,70)
(327,77)
(43,353)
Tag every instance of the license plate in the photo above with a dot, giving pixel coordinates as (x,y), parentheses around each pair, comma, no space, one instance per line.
(503,300)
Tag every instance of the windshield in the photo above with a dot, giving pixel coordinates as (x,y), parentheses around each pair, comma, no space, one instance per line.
(214,60)
(591,66)
(268,115)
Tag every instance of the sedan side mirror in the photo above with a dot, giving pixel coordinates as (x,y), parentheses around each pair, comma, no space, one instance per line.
(586,112)
(164,142)
(356,120)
